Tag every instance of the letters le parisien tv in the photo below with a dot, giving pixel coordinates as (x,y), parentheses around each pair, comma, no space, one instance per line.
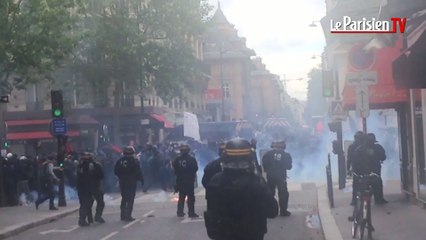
(348,25)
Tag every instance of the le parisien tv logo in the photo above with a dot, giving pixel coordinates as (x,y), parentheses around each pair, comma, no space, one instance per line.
(348,25)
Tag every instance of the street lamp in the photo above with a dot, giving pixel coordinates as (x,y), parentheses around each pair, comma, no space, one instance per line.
(222,85)
(315,56)
(313,24)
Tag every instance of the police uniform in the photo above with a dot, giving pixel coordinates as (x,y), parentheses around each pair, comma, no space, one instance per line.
(185,167)
(97,192)
(379,157)
(212,167)
(351,158)
(128,171)
(276,162)
(239,201)
(84,189)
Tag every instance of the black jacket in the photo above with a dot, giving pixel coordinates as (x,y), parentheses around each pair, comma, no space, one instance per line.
(128,170)
(239,205)
(276,163)
(185,167)
(210,170)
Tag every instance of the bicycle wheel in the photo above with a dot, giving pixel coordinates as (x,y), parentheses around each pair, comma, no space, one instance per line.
(361,221)
(355,220)
(370,225)
(361,229)
(354,228)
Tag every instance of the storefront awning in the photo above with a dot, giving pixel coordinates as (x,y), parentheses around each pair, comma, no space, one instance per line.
(408,69)
(161,118)
(384,92)
(28,122)
(37,135)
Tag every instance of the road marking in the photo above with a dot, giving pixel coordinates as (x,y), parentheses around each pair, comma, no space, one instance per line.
(202,192)
(192,220)
(142,221)
(109,235)
(60,230)
(148,213)
(130,224)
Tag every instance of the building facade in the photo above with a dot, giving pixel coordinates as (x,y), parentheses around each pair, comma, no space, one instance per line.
(396,60)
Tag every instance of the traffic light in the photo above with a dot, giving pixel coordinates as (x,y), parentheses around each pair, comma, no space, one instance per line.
(57,103)
(6,144)
(327,84)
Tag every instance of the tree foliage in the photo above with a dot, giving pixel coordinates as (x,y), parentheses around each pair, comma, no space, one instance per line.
(139,46)
(316,104)
(34,39)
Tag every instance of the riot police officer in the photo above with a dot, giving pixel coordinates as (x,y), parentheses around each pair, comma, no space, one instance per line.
(185,167)
(379,157)
(85,172)
(128,171)
(239,201)
(358,137)
(97,190)
(276,162)
(213,167)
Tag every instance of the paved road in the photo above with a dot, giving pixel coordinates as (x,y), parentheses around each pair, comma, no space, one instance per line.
(156,219)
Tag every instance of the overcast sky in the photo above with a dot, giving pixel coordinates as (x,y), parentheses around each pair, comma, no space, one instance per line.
(278,31)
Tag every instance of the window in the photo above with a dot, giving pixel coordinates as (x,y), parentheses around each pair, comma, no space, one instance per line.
(226,91)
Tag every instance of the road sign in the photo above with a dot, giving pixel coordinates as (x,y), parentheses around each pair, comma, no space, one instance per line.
(362,101)
(337,111)
(59,126)
(361,78)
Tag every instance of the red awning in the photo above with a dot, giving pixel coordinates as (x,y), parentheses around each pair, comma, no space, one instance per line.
(81,119)
(28,122)
(161,118)
(37,135)
(385,91)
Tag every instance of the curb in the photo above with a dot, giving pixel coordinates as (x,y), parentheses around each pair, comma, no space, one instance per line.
(13,230)
(329,227)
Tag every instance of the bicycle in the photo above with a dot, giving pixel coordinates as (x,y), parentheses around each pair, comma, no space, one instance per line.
(361,218)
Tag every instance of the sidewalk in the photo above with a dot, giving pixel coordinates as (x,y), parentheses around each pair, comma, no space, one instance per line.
(17,219)
(399,219)
(14,220)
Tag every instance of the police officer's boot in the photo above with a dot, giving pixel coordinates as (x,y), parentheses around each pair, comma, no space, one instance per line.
(123,215)
(180,206)
(191,208)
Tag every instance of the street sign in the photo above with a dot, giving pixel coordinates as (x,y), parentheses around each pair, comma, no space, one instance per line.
(59,126)
(362,101)
(337,111)
(361,78)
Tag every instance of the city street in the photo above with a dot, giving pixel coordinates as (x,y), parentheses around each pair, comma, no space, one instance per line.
(156,219)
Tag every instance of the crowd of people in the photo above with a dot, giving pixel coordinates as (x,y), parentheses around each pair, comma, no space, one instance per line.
(237,193)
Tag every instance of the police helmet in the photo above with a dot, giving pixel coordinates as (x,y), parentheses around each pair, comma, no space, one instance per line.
(278,145)
(358,135)
(87,156)
(238,155)
(128,151)
(222,146)
(184,148)
(371,137)
(9,155)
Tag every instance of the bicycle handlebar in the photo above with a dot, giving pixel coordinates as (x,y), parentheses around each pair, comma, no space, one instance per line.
(367,175)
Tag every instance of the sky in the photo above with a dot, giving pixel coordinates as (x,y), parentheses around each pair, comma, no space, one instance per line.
(278,31)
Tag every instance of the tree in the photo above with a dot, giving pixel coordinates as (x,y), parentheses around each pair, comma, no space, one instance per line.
(34,39)
(316,104)
(139,46)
